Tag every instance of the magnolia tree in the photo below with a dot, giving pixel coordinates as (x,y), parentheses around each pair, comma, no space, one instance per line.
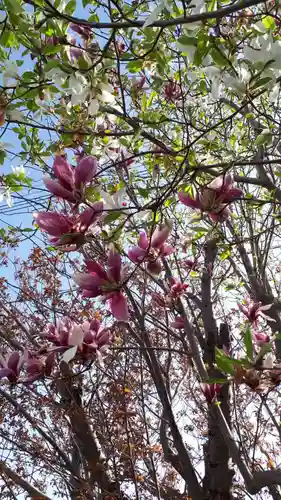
(140,240)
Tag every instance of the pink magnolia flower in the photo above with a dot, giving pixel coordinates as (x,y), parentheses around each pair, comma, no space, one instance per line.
(210,391)
(254,310)
(83,340)
(214,198)
(70,183)
(84,31)
(38,367)
(190,264)
(68,232)
(96,338)
(75,53)
(261,338)
(150,251)
(59,334)
(177,288)
(172,91)
(106,283)
(138,84)
(178,323)
(11,366)
(158,299)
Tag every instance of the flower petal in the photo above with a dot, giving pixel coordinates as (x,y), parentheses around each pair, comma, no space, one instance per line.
(13,361)
(143,241)
(94,267)
(76,335)
(63,172)
(188,201)
(85,170)
(159,236)
(55,188)
(88,282)
(69,354)
(119,306)
(137,254)
(114,267)
(53,223)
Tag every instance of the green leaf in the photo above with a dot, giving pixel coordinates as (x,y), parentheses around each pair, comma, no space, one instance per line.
(135,66)
(213,5)
(225,254)
(265,348)
(200,229)
(216,381)
(187,40)
(70,7)
(112,216)
(261,82)
(269,23)
(263,138)
(2,157)
(51,49)
(8,39)
(13,7)
(219,58)
(224,363)
(248,342)
(52,64)
(143,192)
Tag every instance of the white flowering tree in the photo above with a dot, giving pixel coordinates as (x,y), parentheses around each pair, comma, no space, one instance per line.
(140,219)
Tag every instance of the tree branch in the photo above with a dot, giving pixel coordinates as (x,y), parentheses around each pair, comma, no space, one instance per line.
(33,492)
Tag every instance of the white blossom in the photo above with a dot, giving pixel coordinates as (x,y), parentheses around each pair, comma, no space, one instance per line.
(5,194)
(10,72)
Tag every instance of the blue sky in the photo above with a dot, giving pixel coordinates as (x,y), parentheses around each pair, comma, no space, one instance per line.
(20,215)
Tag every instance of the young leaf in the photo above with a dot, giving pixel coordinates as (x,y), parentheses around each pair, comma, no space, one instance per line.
(224,363)
(248,342)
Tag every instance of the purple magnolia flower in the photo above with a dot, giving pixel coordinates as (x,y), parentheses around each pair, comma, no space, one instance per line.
(70,183)
(59,334)
(177,288)
(254,310)
(106,283)
(178,323)
(68,232)
(210,391)
(75,53)
(83,340)
(96,338)
(214,198)
(151,251)
(172,91)
(84,31)
(38,367)
(11,366)
(261,338)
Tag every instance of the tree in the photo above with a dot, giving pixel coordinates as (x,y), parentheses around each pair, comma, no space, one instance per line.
(140,328)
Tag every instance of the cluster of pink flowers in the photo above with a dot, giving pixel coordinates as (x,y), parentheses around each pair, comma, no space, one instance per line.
(253,312)
(88,339)
(106,283)
(78,342)
(68,231)
(214,198)
(152,250)
(211,391)
(172,91)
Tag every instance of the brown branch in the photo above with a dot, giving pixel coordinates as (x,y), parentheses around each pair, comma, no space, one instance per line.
(83,433)
(216,14)
(19,481)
